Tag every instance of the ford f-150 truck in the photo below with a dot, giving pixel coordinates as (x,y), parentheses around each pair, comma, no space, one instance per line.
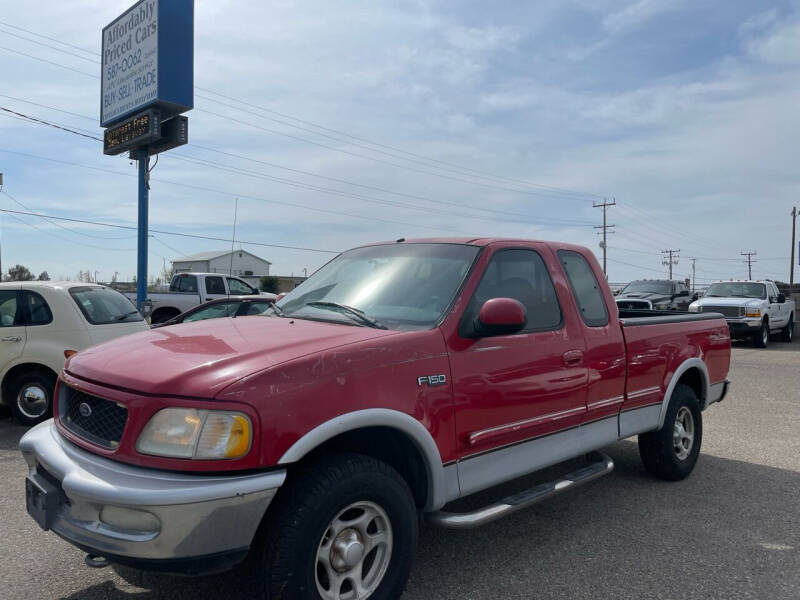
(754,309)
(398,378)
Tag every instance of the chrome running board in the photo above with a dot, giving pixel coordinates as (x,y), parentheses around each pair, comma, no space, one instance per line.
(601,464)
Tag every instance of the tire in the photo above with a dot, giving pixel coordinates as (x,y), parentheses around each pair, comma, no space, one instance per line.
(31,396)
(659,449)
(761,340)
(308,516)
(787,333)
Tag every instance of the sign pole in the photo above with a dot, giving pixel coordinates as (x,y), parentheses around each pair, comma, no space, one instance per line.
(141,261)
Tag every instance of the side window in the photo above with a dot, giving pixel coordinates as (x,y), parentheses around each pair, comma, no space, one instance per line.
(523,276)
(187,283)
(214,311)
(585,288)
(215,285)
(255,308)
(10,315)
(38,311)
(239,287)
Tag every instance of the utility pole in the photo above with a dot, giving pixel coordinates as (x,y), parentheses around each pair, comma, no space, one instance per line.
(1,236)
(670,258)
(694,260)
(791,268)
(749,260)
(605,227)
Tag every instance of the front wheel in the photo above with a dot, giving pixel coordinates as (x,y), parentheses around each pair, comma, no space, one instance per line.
(31,396)
(343,528)
(788,331)
(671,452)
(761,339)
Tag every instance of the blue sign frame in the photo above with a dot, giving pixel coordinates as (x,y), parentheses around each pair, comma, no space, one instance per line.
(174,60)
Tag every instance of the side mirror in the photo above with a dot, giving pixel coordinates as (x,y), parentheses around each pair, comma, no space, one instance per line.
(500,316)
(682,294)
(280,296)
(695,296)
(781,298)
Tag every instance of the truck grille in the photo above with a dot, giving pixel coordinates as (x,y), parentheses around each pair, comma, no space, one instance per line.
(94,419)
(633,304)
(728,311)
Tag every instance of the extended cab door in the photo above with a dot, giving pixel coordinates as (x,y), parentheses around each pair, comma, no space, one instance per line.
(512,390)
(214,287)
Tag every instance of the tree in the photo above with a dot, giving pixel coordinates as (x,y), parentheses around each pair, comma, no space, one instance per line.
(44,276)
(269,283)
(20,273)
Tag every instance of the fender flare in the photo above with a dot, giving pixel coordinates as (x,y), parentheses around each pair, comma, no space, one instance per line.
(381,417)
(691,363)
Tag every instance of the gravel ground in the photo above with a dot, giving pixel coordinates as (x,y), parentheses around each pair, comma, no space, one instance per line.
(732,530)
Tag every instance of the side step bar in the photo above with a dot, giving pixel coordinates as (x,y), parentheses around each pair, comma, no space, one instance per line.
(601,464)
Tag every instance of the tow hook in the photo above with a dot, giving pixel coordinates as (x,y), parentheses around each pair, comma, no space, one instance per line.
(96,562)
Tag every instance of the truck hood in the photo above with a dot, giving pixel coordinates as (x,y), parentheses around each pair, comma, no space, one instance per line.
(652,296)
(712,301)
(201,358)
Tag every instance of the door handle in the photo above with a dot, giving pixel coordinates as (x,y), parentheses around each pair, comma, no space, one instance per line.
(572,358)
(12,338)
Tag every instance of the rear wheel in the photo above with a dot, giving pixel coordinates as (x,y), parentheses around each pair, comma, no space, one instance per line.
(671,452)
(761,340)
(788,332)
(344,528)
(31,396)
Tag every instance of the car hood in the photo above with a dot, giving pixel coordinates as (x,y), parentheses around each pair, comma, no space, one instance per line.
(652,296)
(199,359)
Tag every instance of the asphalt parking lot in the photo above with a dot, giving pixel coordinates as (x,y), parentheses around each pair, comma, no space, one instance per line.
(732,530)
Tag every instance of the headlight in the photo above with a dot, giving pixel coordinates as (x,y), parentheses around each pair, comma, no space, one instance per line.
(752,312)
(197,434)
(694,307)
(661,305)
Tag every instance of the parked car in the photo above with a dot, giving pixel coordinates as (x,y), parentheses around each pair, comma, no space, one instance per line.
(187,290)
(754,310)
(41,322)
(655,294)
(234,306)
(398,378)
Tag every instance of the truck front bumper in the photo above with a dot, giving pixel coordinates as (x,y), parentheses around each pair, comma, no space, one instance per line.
(745,327)
(144,518)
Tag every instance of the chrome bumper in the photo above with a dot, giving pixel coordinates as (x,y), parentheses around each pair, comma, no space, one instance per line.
(117,510)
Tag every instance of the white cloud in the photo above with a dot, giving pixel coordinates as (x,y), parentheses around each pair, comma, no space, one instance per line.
(637,13)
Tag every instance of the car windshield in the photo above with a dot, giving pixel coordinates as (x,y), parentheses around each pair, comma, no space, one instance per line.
(102,306)
(401,286)
(737,289)
(653,287)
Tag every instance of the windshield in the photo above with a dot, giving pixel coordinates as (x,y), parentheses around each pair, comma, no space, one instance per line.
(654,287)
(403,286)
(737,289)
(102,306)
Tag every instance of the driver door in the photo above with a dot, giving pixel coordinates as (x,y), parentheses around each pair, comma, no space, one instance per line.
(512,390)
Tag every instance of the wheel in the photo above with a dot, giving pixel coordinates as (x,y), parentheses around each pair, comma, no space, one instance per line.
(788,332)
(671,452)
(342,528)
(761,340)
(31,397)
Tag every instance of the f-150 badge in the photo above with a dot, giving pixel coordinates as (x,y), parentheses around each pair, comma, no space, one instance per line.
(431,380)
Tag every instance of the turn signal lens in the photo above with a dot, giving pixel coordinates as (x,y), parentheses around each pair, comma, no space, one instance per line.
(225,435)
(68,353)
(752,312)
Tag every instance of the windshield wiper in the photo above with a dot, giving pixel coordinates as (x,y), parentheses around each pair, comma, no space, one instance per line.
(278,310)
(126,315)
(359,314)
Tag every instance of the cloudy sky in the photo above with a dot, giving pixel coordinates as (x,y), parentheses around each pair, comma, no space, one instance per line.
(339,123)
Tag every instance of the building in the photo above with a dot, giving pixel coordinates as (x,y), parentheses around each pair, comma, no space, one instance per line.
(241,263)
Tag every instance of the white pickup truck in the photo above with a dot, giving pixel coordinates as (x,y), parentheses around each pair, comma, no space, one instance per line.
(753,309)
(187,290)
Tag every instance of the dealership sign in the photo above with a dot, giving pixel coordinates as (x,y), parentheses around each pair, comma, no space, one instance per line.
(147,61)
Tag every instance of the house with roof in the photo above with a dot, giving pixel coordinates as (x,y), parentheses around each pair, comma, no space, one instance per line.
(241,263)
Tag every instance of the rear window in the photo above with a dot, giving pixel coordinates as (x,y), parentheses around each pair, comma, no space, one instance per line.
(102,306)
(38,311)
(585,288)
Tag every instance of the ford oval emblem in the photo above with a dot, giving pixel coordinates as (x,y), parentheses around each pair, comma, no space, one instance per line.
(85,409)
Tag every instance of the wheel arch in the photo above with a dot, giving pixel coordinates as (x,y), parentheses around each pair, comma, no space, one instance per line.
(397,432)
(692,372)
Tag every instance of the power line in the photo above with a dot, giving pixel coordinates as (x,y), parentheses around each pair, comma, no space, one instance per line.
(163,232)
(22,37)
(49,62)
(52,39)
(66,112)
(47,123)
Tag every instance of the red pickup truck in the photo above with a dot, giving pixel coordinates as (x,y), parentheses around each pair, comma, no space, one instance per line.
(399,377)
